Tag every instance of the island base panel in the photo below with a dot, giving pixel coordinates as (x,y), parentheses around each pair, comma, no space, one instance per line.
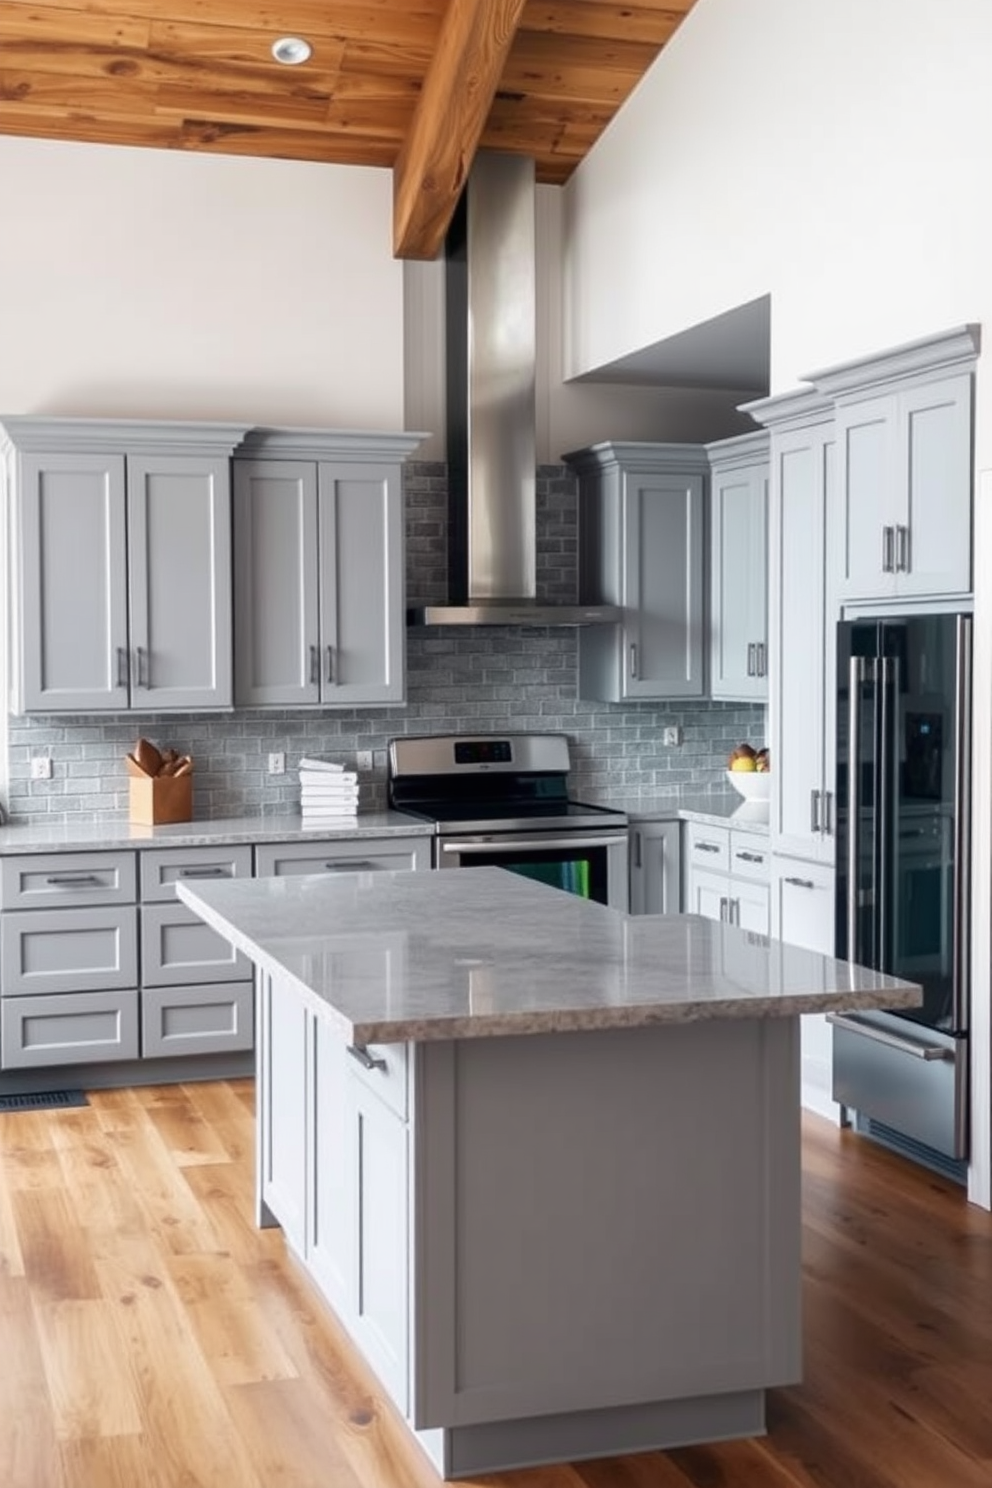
(501,1446)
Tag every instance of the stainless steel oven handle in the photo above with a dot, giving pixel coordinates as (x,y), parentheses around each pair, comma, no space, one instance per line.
(530,844)
(855,678)
(928,1052)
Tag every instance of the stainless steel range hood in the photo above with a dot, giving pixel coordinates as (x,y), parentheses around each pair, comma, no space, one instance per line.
(491,346)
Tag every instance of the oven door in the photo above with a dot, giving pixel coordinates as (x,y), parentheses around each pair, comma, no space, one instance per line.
(591,864)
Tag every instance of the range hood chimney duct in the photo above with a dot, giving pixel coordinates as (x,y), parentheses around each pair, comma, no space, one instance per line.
(491,355)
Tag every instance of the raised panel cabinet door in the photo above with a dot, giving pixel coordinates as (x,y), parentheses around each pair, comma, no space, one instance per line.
(179,569)
(362,606)
(655,868)
(708,894)
(739,584)
(867,455)
(751,906)
(801,636)
(663,560)
(70,636)
(276,612)
(803,914)
(382,1293)
(933,551)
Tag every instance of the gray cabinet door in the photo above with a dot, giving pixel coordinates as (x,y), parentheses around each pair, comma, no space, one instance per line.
(362,609)
(663,562)
(68,1028)
(655,868)
(280,859)
(177,948)
(69,950)
(179,552)
(211,1018)
(739,584)
(277,635)
(70,638)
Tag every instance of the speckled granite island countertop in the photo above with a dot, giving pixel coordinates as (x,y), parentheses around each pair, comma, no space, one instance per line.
(406,956)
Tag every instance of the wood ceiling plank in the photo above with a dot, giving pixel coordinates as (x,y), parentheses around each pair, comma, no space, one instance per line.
(40,26)
(298,144)
(582,69)
(455,100)
(650,23)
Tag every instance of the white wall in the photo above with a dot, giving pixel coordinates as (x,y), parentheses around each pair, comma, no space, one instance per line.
(835,157)
(157,283)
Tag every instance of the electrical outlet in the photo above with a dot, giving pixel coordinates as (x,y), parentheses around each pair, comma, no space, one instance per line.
(41,767)
(364,759)
(671,734)
(277,763)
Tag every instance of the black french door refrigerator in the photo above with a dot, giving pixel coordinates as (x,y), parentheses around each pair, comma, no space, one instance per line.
(903,875)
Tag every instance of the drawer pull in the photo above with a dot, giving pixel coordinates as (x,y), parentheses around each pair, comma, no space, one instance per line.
(213,872)
(750,857)
(705,847)
(800,883)
(365,1059)
(73,880)
(350,867)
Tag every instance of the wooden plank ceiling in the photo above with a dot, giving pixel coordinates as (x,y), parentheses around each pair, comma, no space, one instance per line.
(412,85)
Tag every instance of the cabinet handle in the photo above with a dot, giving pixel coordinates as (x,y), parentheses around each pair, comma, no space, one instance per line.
(887,560)
(762,666)
(724,919)
(800,883)
(902,550)
(750,857)
(705,847)
(122,678)
(72,880)
(315,664)
(633,659)
(638,855)
(828,813)
(735,911)
(350,866)
(214,872)
(330,663)
(141,666)
(365,1059)
(814,811)
(752,659)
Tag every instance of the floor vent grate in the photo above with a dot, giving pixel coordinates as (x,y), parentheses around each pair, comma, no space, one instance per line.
(43,1100)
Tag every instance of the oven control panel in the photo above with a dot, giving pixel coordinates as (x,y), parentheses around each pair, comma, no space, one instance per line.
(483,752)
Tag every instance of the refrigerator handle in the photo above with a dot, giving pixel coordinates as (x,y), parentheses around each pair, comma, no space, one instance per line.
(888,689)
(961,935)
(856,673)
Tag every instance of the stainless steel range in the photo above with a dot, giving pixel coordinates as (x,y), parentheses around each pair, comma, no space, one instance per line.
(503,800)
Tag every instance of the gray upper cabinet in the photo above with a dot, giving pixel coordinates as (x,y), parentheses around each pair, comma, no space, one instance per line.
(739,567)
(641,546)
(319,601)
(120,565)
(904,467)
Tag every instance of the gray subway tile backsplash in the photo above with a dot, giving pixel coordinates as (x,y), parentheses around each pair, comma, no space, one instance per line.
(485,680)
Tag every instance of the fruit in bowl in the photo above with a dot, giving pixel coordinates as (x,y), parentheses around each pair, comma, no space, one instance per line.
(748,772)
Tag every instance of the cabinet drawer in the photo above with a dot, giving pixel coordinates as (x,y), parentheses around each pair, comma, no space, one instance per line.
(707,847)
(68,1028)
(211,1019)
(69,950)
(749,856)
(280,859)
(178,948)
(67,880)
(163,868)
(389,1075)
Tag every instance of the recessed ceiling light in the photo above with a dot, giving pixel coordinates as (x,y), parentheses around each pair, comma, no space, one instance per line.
(291,50)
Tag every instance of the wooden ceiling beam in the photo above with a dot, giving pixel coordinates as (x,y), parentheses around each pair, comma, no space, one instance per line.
(454,103)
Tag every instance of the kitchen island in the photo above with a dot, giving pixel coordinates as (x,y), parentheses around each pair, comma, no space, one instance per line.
(541,1158)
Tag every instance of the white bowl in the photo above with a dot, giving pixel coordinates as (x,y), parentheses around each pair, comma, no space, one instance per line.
(753,785)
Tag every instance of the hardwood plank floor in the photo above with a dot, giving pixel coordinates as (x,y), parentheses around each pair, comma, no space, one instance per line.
(153,1338)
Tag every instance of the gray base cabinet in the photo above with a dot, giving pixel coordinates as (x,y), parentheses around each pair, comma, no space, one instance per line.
(473,1273)
(642,546)
(120,564)
(655,867)
(320,616)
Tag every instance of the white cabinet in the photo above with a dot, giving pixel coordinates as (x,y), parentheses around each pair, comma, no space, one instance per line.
(319,584)
(738,567)
(641,546)
(803,914)
(655,867)
(726,875)
(904,468)
(120,565)
(802,624)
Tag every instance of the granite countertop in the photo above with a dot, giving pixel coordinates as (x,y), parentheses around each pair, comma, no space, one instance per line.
(118,832)
(394,956)
(722,808)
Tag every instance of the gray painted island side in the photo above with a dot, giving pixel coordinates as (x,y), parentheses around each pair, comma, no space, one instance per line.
(541,1158)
